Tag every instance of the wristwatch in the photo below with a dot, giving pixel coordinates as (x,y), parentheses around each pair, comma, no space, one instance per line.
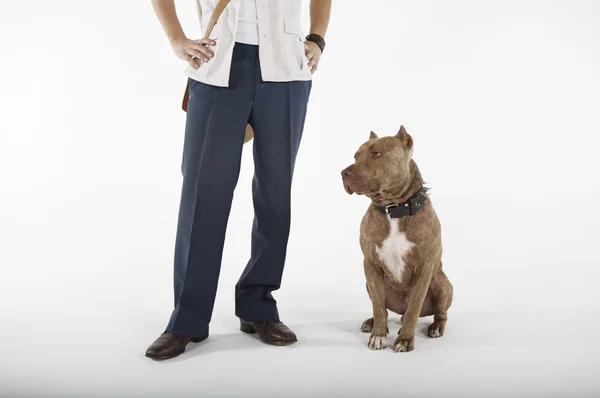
(317,39)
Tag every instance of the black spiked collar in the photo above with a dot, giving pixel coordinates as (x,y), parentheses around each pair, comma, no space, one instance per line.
(408,208)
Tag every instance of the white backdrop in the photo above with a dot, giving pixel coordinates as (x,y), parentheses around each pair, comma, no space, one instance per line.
(501,98)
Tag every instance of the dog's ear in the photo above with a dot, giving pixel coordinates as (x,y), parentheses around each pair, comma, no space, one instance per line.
(405,137)
(373,135)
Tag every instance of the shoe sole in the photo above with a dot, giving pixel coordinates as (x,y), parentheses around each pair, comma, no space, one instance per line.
(165,357)
(248,329)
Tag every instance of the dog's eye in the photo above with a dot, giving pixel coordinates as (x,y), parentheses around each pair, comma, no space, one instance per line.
(376,154)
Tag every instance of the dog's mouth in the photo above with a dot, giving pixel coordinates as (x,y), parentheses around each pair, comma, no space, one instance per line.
(355,187)
(349,190)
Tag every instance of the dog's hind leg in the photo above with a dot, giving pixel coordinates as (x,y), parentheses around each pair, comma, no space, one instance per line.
(367,326)
(442,292)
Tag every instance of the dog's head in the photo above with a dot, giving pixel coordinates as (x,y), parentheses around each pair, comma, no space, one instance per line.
(380,165)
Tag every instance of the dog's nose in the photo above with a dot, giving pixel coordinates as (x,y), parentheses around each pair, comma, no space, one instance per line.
(346,172)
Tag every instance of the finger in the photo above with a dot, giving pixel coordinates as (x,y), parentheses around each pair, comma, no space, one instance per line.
(193,62)
(205,42)
(309,54)
(204,50)
(200,55)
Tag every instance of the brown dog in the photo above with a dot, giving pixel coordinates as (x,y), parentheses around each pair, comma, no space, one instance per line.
(400,238)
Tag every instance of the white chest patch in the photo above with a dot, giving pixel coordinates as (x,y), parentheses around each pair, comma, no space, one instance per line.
(393,249)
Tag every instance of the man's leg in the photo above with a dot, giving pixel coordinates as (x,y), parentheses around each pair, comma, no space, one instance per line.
(212,153)
(278,120)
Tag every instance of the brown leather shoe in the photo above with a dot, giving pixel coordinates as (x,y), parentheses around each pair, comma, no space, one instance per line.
(269,332)
(169,345)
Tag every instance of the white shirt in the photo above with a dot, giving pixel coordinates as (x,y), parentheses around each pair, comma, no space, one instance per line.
(280,41)
(247,30)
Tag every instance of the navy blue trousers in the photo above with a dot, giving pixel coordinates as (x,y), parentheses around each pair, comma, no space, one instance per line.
(214,134)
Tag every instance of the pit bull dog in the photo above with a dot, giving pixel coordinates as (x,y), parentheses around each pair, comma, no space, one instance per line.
(400,237)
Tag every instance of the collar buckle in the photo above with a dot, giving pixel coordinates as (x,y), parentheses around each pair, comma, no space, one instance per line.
(387,209)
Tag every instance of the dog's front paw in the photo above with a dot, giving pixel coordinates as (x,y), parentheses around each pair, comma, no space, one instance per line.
(436,329)
(377,342)
(404,344)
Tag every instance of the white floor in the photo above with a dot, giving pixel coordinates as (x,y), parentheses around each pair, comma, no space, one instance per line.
(482,354)
(80,307)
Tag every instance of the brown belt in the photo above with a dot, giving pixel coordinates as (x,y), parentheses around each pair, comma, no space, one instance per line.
(211,24)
